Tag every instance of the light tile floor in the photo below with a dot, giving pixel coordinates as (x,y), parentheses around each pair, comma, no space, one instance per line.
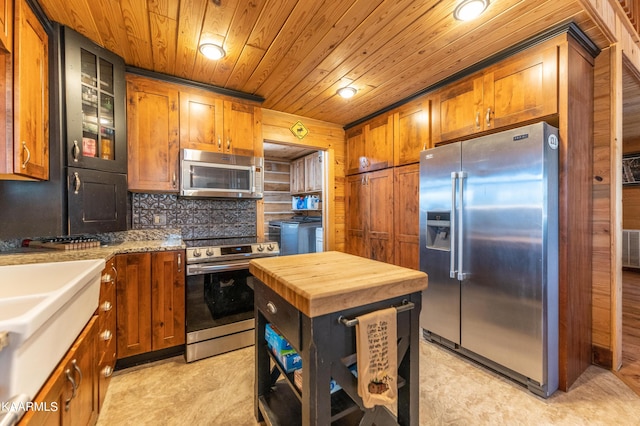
(453,391)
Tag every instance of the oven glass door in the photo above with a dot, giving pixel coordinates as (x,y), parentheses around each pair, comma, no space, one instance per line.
(217,299)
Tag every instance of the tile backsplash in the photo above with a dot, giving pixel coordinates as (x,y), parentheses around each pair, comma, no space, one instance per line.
(196,218)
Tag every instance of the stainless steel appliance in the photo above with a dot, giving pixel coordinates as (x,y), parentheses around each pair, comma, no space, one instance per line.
(219,300)
(211,174)
(296,235)
(489,243)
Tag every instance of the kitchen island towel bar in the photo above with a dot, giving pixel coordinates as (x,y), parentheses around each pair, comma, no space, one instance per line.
(403,307)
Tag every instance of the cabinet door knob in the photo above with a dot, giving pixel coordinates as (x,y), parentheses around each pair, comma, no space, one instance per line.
(26,149)
(107,371)
(106,335)
(271,307)
(107,306)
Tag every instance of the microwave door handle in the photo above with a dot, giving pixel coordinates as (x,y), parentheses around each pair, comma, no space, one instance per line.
(253,179)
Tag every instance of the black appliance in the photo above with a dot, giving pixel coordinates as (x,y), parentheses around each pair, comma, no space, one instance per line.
(219,294)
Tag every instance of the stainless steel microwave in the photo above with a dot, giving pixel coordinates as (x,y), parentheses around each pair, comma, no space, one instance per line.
(212,174)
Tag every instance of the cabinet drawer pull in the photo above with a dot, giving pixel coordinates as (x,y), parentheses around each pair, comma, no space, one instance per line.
(478,119)
(488,117)
(75,151)
(76,182)
(173,180)
(179,262)
(106,306)
(106,335)
(228,143)
(74,388)
(271,307)
(24,147)
(115,274)
(75,367)
(107,371)
(107,278)
(219,142)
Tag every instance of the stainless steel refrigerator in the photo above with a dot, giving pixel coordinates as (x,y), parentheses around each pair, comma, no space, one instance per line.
(489,244)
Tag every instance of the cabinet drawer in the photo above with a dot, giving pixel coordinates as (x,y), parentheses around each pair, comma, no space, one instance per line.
(279,312)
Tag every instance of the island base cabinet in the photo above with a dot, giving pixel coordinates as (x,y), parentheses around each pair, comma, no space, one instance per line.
(328,348)
(69,397)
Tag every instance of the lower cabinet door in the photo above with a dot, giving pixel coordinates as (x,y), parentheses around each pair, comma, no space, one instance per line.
(97,201)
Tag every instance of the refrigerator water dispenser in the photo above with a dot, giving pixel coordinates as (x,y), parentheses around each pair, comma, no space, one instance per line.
(438,230)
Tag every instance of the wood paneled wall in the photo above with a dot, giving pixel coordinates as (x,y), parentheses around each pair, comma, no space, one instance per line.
(602,212)
(325,136)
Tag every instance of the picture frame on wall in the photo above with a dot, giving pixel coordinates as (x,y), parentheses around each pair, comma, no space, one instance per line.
(631,169)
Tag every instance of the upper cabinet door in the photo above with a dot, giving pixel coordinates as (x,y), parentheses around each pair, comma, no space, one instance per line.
(153,126)
(6,25)
(522,89)
(31,96)
(458,111)
(95,106)
(412,127)
(240,128)
(201,122)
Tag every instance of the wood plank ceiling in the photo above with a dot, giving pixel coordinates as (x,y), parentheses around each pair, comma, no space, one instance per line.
(296,53)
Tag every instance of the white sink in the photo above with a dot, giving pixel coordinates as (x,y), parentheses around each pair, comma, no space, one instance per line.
(43,308)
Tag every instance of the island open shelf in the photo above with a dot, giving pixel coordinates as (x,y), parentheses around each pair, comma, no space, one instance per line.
(310,298)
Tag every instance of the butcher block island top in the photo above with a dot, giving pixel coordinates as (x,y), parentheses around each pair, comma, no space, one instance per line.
(326,282)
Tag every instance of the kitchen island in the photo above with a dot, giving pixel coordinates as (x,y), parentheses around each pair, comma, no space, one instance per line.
(312,299)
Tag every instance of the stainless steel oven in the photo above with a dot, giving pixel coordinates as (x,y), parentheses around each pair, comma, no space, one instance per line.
(219,300)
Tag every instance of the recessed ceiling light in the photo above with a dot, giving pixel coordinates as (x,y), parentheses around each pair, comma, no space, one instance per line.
(347,92)
(212,51)
(470,9)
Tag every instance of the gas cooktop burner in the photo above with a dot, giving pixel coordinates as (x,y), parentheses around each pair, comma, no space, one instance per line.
(223,249)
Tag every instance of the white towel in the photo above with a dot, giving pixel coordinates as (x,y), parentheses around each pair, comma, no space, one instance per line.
(377,354)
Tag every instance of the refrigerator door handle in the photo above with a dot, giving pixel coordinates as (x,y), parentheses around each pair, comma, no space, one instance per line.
(461,274)
(452,239)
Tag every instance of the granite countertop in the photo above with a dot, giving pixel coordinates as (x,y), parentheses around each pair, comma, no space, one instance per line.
(321,283)
(106,251)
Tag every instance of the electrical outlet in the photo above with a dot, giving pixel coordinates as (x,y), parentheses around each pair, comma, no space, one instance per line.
(160,219)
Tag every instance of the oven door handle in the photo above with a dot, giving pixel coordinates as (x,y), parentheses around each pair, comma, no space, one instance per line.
(199,269)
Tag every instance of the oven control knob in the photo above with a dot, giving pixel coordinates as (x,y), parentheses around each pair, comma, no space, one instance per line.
(209,252)
(260,248)
(196,253)
(270,247)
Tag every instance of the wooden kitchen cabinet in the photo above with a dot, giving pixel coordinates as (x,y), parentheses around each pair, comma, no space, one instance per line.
(306,174)
(405,216)
(313,172)
(370,146)
(412,131)
(71,388)
(520,89)
(370,215)
(296,176)
(153,127)
(24,154)
(6,25)
(212,123)
(201,122)
(150,292)
(242,128)
(106,334)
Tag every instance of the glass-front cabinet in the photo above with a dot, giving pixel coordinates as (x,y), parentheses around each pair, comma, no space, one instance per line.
(95,106)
